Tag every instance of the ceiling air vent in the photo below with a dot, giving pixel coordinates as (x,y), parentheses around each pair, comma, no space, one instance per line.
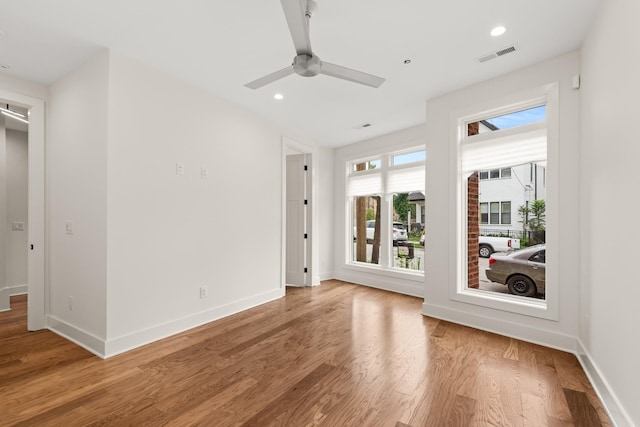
(493,55)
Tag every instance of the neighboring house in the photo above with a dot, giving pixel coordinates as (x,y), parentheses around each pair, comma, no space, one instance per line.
(504,191)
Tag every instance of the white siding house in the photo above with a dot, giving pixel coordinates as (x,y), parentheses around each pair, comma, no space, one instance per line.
(503,191)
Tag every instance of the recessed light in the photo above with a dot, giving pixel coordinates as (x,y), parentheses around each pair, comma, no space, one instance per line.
(278,96)
(498,31)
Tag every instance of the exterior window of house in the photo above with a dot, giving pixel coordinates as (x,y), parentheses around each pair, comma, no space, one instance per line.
(496,173)
(495,213)
(502,178)
(500,213)
(484,213)
(505,213)
(386,205)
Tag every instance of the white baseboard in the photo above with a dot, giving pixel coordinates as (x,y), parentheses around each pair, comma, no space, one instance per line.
(522,332)
(327,275)
(611,403)
(84,339)
(128,342)
(8,292)
(386,283)
(18,290)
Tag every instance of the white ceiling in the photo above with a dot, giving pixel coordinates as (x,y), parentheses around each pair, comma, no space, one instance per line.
(221,45)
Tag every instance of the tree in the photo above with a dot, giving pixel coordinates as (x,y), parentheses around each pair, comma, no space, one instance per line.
(538,220)
(361,223)
(375,249)
(402,206)
(524,213)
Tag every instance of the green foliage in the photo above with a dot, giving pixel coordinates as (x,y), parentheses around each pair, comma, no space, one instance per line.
(371,214)
(538,220)
(402,206)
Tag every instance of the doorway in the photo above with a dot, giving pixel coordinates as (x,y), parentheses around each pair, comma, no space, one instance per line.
(13,202)
(33,228)
(297,224)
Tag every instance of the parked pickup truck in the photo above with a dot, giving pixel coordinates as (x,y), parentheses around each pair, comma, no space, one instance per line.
(489,245)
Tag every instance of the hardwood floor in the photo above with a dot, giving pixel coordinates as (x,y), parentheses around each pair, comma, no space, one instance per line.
(335,355)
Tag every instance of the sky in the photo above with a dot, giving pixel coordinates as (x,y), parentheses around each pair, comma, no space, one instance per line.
(519,118)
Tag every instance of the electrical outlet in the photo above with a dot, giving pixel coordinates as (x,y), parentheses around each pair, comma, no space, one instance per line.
(180,168)
(204,173)
(70,302)
(204,292)
(68,227)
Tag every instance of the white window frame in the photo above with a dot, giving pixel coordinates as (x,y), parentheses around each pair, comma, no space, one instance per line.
(386,262)
(549,95)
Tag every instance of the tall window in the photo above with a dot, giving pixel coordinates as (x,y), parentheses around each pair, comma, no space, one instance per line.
(385,209)
(503,173)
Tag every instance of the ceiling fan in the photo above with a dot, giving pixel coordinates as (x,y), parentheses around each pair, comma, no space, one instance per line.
(305,63)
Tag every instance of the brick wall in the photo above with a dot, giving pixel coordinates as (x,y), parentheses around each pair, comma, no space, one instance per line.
(473,231)
(473,221)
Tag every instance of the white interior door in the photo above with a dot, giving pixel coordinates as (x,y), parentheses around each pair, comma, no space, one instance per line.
(296,228)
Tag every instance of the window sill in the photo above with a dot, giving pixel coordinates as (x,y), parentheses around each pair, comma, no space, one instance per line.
(413,275)
(506,302)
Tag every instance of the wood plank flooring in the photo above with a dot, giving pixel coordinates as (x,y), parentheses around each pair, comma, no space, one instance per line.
(335,355)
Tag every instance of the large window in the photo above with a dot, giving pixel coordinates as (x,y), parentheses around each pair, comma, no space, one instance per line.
(502,223)
(385,211)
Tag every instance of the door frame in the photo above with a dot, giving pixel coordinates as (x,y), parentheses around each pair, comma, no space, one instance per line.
(312,259)
(36,311)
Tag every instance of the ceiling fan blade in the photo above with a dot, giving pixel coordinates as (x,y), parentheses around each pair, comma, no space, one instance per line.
(295,12)
(345,73)
(270,78)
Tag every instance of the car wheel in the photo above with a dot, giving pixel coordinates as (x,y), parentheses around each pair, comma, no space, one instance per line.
(485,251)
(521,285)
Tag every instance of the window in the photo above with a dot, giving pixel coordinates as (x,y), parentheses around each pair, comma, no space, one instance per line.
(502,176)
(507,121)
(495,213)
(496,173)
(386,201)
(366,165)
(505,217)
(538,257)
(500,212)
(484,213)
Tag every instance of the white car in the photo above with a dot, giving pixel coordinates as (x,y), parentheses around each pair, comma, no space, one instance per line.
(399,232)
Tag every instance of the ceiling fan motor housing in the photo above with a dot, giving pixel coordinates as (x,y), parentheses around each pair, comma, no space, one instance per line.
(307,65)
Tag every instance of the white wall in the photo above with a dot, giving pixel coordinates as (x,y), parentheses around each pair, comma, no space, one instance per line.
(326,211)
(610,295)
(77,193)
(170,234)
(397,282)
(441,214)
(17,175)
